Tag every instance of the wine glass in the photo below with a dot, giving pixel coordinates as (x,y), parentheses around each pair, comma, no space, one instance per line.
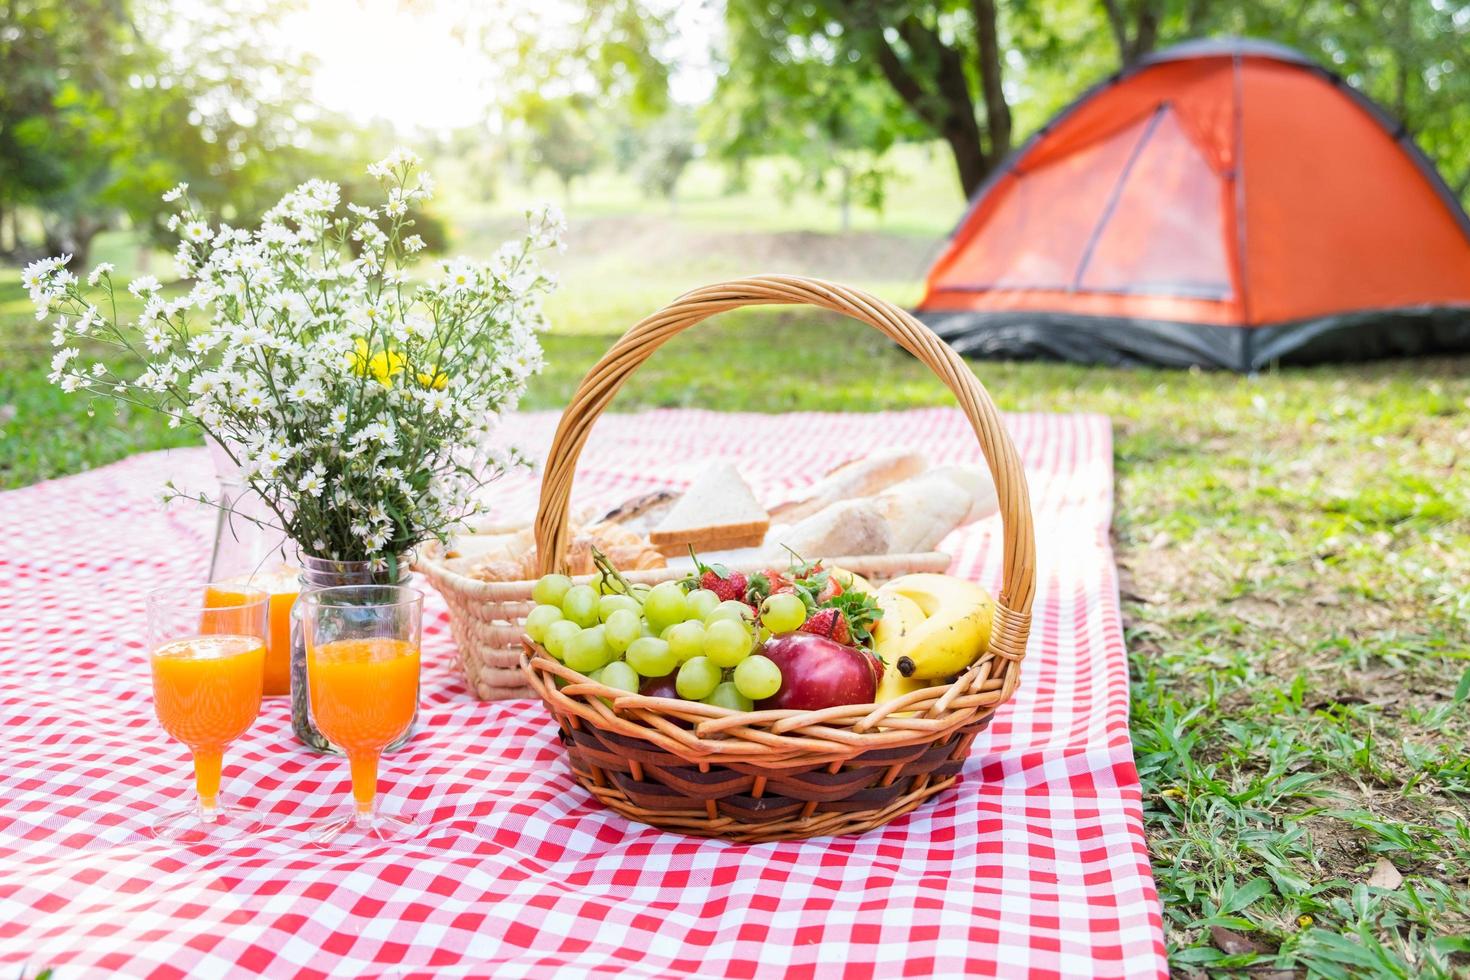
(207,661)
(362,677)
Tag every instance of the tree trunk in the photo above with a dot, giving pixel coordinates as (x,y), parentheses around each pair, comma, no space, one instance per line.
(992,82)
(74,238)
(950,112)
(969,161)
(1135,35)
(845,198)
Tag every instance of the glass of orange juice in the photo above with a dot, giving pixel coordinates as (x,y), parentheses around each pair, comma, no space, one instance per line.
(362,676)
(207,662)
(282,582)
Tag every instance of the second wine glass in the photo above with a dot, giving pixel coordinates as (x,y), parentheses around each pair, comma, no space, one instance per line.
(362,676)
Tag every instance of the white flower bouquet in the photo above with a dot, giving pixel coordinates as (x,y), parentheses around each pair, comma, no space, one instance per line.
(359,406)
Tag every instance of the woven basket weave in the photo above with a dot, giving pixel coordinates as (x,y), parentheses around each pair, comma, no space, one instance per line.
(776,775)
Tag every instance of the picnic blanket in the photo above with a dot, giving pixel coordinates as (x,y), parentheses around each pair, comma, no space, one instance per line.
(1033,865)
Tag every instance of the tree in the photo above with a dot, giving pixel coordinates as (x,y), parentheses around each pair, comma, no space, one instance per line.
(667,150)
(563,139)
(942,61)
(836,129)
(105,104)
(978,74)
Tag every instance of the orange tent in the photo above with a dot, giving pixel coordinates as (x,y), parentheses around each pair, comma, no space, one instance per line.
(1223,203)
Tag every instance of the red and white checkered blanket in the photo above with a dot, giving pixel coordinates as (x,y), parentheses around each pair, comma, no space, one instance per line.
(1034,865)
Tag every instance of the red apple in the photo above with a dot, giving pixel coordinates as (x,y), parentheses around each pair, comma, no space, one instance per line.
(818,673)
(659,687)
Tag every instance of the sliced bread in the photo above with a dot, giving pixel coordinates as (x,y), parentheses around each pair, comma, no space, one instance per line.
(717,511)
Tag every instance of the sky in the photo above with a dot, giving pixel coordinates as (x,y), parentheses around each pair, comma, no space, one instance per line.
(400,61)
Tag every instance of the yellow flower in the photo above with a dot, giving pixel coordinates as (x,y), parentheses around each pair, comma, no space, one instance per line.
(433,378)
(1304,920)
(385,365)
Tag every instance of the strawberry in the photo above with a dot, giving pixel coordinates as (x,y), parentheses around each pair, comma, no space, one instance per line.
(830,623)
(730,586)
(777,582)
(718,579)
(830,591)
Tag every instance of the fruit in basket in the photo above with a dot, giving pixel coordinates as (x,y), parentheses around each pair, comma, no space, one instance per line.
(817,672)
(731,609)
(539,619)
(697,638)
(782,612)
(727,695)
(955,629)
(757,677)
(557,635)
(587,650)
(830,623)
(902,617)
(549,590)
(609,604)
(701,602)
(580,605)
(619,675)
(895,685)
(621,629)
(664,606)
(717,579)
(686,640)
(697,679)
(727,642)
(651,657)
(659,687)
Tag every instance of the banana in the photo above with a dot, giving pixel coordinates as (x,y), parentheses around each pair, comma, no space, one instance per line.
(892,636)
(852,581)
(894,685)
(901,617)
(955,630)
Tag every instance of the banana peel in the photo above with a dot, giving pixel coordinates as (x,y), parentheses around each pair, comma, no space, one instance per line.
(954,632)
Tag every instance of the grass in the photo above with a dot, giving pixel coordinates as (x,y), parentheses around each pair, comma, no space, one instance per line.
(1295,550)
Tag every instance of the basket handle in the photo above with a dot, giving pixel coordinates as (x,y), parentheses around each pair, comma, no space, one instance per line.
(1013,613)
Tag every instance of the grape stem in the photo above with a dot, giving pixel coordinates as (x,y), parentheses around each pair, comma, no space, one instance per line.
(605,566)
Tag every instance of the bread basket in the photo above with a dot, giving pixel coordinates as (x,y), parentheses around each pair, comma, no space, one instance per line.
(774,775)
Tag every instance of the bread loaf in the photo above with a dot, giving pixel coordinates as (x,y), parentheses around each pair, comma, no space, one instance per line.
(921,511)
(848,527)
(856,478)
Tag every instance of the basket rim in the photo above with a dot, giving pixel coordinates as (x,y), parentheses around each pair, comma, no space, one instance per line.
(796,736)
(428,560)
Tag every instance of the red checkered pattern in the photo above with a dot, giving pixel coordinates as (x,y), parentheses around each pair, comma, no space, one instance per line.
(1034,865)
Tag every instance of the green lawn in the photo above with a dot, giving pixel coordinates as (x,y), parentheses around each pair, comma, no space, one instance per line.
(1295,550)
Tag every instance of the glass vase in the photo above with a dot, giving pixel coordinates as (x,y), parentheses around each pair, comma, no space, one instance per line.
(249,550)
(326,573)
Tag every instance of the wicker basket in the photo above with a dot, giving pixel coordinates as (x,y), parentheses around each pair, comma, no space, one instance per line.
(486,618)
(776,775)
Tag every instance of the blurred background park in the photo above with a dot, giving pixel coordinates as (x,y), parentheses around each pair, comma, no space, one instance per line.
(1296,544)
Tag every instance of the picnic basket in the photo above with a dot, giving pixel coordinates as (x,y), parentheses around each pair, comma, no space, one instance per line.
(774,775)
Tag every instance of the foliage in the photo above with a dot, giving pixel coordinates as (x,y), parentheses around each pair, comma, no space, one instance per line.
(563,139)
(812,112)
(980,75)
(106,103)
(667,148)
(359,409)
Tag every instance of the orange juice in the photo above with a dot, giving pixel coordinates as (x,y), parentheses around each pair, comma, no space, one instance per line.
(283,585)
(363,696)
(206,691)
